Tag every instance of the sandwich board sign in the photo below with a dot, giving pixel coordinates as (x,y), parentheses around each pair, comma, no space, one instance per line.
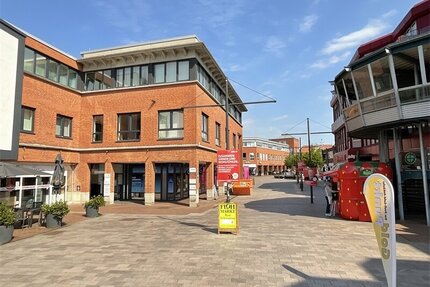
(227,218)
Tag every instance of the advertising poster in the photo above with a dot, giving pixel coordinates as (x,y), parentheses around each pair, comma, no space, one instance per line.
(227,217)
(228,165)
(379,194)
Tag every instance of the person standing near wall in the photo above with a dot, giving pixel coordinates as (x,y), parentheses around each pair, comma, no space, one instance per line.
(328,195)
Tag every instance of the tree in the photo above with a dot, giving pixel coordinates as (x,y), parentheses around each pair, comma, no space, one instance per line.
(291,160)
(316,159)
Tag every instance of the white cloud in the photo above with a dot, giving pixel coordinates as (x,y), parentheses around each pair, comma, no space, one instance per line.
(235,68)
(280,118)
(373,29)
(326,62)
(308,23)
(274,45)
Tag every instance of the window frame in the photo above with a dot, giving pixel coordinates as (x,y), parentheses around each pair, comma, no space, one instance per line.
(62,119)
(205,127)
(170,124)
(129,124)
(33,112)
(217,133)
(96,133)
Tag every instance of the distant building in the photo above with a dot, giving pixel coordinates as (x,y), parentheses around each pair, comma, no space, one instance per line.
(264,156)
(293,142)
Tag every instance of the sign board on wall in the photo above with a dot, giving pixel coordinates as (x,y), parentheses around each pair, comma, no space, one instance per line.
(106,184)
(228,165)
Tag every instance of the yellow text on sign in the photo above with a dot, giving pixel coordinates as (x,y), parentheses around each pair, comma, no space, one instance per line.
(227,216)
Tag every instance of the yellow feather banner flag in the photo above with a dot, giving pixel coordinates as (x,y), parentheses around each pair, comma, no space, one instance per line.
(379,194)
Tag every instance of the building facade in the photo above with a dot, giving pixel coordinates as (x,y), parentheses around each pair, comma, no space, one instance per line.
(139,122)
(264,157)
(381,108)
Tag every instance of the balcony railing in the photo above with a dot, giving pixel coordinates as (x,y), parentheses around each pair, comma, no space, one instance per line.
(414,94)
(378,103)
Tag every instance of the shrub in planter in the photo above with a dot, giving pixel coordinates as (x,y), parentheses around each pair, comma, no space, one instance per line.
(92,206)
(54,213)
(7,220)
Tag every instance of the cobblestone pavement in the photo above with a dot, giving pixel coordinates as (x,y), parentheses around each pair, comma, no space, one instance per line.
(283,241)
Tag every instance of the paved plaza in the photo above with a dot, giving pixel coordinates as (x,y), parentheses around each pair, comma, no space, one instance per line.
(283,241)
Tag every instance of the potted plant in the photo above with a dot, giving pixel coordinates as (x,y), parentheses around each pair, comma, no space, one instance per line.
(54,213)
(92,206)
(7,220)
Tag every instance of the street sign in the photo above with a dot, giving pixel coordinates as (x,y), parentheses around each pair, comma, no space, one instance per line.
(228,165)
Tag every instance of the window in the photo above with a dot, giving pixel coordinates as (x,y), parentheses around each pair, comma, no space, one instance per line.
(53,70)
(29,60)
(40,65)
(127,77)
(251,156)
(159,73)
(218,134)
(73,79)
(107,81)
(63,74)
(171,124)
(98,128)
(135,76)
(129,127)
(63,127)
(171,72)
(205,120)
(244,155)
(183,71)
(27,121)
(119,77)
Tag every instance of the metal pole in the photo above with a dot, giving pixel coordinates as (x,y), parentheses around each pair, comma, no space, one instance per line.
(310,158)
(227,144)
(399,176)
(424,172)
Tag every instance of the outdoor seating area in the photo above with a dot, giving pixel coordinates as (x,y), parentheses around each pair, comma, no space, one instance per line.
(28,214)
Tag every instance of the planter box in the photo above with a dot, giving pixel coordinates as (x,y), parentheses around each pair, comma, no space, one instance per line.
(6,233)
(91,211)
(52,221)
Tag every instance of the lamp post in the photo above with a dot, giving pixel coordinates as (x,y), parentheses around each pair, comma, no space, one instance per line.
(310,159)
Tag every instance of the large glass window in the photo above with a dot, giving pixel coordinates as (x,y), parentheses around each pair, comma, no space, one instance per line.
(205,121)
(62,73)
(183,70)
(127,77)
(73,79)
(108,81)
(40,65)
(170,124)
(119,78)
(144,75)
(29,60)
(407,66)
(349,88)
(159,73)
(426,50)
(135,76)
(63,127)
(89,81)
(171,72)
(98,128)
(27,122)
(381,75)
(218,134)
(53,70)
(362,81)
(129,127)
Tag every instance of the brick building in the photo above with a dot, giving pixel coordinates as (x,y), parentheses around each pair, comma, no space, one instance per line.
(128,121)
(263,156)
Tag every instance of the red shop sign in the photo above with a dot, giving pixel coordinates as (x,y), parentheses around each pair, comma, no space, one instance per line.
(228,165)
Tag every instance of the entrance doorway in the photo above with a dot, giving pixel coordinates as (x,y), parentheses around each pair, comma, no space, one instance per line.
(171,181)
(97,177)
(129,182)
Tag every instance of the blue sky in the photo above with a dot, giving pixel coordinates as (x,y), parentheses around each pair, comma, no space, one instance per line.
(286,49)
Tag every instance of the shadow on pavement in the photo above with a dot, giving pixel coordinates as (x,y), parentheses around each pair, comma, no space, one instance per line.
(203,227)
(409,273)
